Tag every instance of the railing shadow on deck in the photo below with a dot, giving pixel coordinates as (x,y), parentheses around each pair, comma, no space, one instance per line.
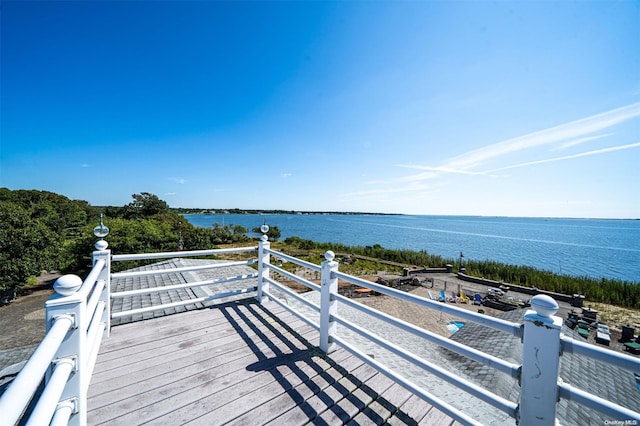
(305,364)
(79,318)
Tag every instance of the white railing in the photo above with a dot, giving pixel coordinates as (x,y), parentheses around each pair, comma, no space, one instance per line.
(543,344)
(79,315)
(77,319)
(204,283)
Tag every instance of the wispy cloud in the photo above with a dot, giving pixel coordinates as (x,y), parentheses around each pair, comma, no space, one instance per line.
(388,193)
(441,169)
(580,141)
(564,132)
(563,136)
(181,181)
(84,166)
(491,159)
(170,194)
(411,178)
(286,175)
(379,191)
(568,157)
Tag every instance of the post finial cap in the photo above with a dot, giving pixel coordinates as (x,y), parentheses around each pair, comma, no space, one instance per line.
(544,305)
(68,284)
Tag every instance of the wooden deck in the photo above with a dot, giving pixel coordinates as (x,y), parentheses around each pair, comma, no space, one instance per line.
(240,363)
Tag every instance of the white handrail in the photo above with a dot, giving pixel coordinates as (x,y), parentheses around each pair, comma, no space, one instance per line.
(64,410)
(467,386)
(282,304)
(89,282)
(93,355)
(192,253)
(92,303)
(17,396)
(128,293)
(600,354)
(46,407)
(497,323)
(295,278)
(608,408)
(180,270)
(294,260)
(539,315)
(94,336)
(293,294)
(182,302)
(408,384)
(499,364)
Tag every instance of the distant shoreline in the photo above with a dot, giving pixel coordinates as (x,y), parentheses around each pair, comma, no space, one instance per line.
(184,211)
(276,212)
(564,246)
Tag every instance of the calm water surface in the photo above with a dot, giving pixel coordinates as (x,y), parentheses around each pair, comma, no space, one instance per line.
(591,247)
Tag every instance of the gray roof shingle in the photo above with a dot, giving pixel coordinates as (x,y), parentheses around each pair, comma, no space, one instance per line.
(604,380)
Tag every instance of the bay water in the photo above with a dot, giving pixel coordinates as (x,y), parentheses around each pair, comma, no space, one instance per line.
(598,248)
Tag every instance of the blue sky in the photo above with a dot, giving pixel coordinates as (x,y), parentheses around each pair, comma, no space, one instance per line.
(461,108)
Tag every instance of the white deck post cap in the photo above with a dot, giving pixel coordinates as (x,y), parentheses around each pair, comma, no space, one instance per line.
(544,305)
(68,284)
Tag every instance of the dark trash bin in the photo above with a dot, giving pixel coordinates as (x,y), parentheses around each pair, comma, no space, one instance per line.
(577,300)
(627,333)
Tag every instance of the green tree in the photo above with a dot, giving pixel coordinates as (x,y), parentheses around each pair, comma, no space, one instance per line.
(273,233)
(27,246)
(144,205)
(57,212)
(147,225)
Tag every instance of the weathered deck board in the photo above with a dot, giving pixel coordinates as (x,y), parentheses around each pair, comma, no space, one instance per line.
(240,363)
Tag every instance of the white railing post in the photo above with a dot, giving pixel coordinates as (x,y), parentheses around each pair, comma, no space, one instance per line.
(105,275)
(328,305)
(67,301)
(263,260)
(540,363)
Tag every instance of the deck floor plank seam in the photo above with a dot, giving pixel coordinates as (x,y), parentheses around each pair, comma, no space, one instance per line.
(172,370)
(312,374)
(170,344)
(172,397)
(347,401)
(114,359)
(288,378)
(299,344)
(302,410)
(240,362)
(169,325)
(197,402)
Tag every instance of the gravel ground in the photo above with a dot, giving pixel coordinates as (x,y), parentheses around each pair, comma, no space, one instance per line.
(23,327)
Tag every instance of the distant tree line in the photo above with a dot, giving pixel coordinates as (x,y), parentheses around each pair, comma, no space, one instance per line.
(184,210)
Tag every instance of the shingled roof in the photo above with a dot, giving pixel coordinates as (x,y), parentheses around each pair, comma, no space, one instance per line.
(602,379)
(173,278)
